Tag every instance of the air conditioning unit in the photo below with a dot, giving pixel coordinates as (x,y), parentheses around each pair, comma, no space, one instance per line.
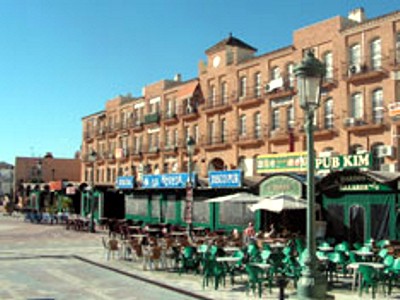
(385,151)
(274,84)
(388,167)
(349,122)
(354,69)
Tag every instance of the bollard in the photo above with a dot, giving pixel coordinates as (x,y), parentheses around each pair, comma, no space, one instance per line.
(281,280)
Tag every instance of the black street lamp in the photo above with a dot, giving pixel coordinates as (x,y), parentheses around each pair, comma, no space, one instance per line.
(92,159)
(190,144)
(309,73)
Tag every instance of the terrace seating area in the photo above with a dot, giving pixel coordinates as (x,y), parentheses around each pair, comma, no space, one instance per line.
(259,265)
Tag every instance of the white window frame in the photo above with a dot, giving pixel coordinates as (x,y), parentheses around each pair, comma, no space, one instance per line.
(376,54)
(357,105)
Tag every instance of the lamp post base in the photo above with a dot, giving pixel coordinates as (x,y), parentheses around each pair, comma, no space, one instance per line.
(312,286)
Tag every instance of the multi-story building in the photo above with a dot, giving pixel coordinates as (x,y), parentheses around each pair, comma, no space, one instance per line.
(243,105)
(6,180)
(38,173)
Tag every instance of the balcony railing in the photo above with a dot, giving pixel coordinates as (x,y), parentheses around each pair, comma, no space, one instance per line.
(152,118)
(217,104)
(365,123)
(369,70)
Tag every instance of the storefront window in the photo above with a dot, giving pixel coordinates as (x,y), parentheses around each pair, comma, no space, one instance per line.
(380,221)
(235,214)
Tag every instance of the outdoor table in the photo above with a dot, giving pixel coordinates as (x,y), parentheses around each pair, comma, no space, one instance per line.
(135,227)
(354,267)
(137,235)
(364,255)
(231,249)
(262,266)
(177,233)
(228,259)
(325,248)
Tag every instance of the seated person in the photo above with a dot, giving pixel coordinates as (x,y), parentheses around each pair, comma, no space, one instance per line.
(271,233)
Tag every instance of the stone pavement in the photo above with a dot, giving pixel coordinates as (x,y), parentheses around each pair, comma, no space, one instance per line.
(39,261)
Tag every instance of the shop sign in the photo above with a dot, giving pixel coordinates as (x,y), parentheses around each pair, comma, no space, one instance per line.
(70,190)
(284,162)
(297,162)
(360,182)
(167,181)
(55,185)
(342,162)
(281,185)
(125,182)
(225,179)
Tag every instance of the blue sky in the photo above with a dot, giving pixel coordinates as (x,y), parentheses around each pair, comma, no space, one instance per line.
(62,60)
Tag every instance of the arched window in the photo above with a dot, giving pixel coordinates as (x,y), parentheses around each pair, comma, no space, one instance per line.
(213,95)
(328,114)
(275,73)
(257,125)
(224,92)
(290,74)
(257,84)
(328,61)
(357,107)
(275,119)
(242,125)
(243,87)
(355,55)
(376,54)
(377,106)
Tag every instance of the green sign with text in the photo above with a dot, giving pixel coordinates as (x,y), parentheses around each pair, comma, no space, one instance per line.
(297,162)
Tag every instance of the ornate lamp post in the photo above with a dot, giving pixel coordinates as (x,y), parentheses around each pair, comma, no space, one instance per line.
(190,144)
(309,73)
(92,159)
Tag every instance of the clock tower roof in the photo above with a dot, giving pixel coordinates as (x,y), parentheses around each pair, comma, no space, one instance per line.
(229,41)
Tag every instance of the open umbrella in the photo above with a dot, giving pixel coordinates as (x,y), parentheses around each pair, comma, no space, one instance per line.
(279,203)
(242,197)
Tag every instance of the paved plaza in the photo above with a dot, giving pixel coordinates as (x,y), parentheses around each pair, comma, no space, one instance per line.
(50,262)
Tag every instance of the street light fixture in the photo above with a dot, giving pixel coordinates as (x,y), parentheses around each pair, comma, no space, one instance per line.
(190,144)
(309,73)
(92,159)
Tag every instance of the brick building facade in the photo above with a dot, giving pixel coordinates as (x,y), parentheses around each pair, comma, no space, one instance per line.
(243,105)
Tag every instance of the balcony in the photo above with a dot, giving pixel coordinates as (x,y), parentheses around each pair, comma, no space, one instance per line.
(394,59)
(189,113)
(366,72)
(152,152)
(366,125)
(169,118)
(100,133)
(152,118)
(113,129)
(252,97)
(325,133)
(279,88)
(110,156)
(88,136)
(216,105)
(137,125)
(330,81)
(136,153)
(216,142)
(249,140)
(169,149)
(281,135)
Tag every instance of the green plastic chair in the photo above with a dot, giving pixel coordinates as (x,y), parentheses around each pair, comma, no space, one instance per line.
(393,274)
(189,260)
(256,278)
(213,270)
(369,279)
(383,243)
(342,247)
(337,264)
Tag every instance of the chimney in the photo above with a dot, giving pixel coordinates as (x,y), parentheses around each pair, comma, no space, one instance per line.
(178,77)
(357,15)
